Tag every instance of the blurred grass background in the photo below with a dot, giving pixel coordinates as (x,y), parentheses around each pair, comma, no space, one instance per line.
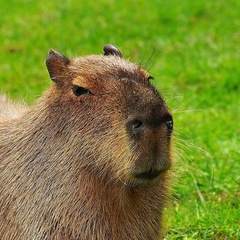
(192,48)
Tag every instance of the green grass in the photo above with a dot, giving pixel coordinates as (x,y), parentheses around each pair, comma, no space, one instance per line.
(195,49)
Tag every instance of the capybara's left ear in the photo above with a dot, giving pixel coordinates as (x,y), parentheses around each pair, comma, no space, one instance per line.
(112,50)
(57,65)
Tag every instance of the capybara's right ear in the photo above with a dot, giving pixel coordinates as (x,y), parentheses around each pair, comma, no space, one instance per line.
(57,65)
(109,49)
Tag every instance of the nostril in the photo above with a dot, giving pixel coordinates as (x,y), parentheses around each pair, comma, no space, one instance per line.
(135,126)
(169,123)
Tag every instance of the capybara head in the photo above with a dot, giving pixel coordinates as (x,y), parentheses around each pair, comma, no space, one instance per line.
(112,119)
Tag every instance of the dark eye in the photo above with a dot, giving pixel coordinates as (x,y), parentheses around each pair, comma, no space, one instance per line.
(78,91)
(169,123)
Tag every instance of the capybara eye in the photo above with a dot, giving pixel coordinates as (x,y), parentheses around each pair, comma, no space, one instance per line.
(136,126)
(78,91)
(169,123)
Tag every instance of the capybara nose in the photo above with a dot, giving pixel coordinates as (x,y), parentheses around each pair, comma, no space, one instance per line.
(139,124)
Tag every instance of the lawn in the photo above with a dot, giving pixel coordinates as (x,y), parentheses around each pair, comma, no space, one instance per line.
(192,48)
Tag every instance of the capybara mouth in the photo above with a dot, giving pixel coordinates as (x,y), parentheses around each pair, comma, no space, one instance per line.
(148,175)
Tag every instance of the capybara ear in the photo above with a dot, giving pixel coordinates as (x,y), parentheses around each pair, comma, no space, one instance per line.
(57,65)
(112,50)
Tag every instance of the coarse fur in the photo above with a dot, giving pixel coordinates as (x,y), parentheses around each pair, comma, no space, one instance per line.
(89,160)
(10,109)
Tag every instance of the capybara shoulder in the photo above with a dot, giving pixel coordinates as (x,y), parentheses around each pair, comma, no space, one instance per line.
(9,109)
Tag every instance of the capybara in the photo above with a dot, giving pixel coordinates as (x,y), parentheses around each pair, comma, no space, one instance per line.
(91,158)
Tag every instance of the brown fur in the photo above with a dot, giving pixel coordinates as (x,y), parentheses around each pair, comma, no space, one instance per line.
(69,164)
